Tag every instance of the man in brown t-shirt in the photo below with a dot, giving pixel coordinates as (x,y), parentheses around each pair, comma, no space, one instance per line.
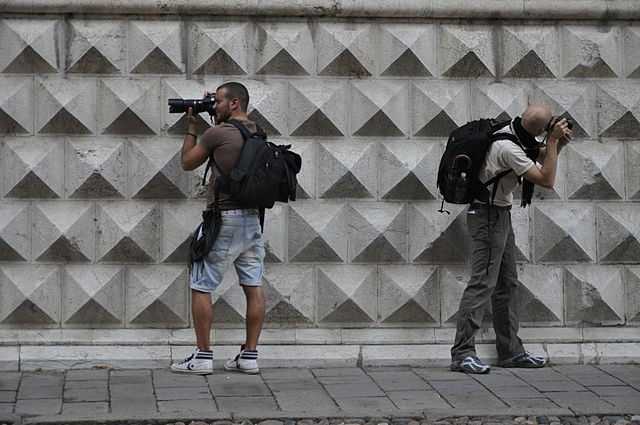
(239,238)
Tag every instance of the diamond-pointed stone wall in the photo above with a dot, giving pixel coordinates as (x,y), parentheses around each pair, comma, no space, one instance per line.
(97,213)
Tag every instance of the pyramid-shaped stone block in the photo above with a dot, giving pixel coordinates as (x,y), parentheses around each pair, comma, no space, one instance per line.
(15,241)
(156,170)
(33,168)
(30,296)
(128,232)
(285,48)
(96,168)
(531,51)
(590,52)
(157,297)
(155,47)
(408,50)
(618,109)
(347,294)
(186,89)
(268,106)
(594,295)
(378,233)
(96,46)
(632,294)
(229,302)
(66,106)
(564,233)
(618,233)
(596,170)
(631,52)
(571,100)
(378,109)
(317,232)
(129,106)
(498,100)
(29,46)
(439,107)
(93,296)
(633,171)
(438,238)
(16,105)
(540,295)
(220,47)
(345,49)
(316,108)
(307,176)
(287,294)
(466,51)
(347,170)
(409,294)
(179,222)
(521,222)
(64,232)
(453,281)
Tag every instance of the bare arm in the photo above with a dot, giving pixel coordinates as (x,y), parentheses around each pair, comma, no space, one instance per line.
(546,176)
(193,155)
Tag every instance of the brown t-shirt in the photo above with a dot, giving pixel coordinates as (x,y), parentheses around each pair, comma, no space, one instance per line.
(224,142)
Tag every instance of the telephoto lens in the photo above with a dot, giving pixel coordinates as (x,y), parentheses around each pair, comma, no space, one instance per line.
(181,106)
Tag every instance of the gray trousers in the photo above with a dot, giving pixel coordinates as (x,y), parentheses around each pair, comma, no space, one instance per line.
(494,278)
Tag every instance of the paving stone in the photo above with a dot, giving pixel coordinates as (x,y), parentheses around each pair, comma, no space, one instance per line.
(338,371)
(338,380)
(546,386)
(138,405)
(416,400)
(187,393)
(620,390)
(286,374)
(237,385)
(7,407)
(74,385)
(493,380)
(39,392)
(87,375)
(198,405)
(304,400)
(517,392)
(42,380)
(530,403)
(85,409)
(366,403)
(397,381)
(442,375)
(579,400)
(8,396)
(10,381)
(50,406)
(246,404)
(353,390)
(164,378)
(86,394)
(294,385)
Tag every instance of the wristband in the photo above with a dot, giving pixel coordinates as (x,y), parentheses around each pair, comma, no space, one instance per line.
(195,136)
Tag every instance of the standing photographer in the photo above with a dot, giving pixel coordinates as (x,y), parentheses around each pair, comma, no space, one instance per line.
(239,237)
(493,259)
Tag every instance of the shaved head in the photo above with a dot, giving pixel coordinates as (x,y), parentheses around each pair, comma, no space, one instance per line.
(536,118)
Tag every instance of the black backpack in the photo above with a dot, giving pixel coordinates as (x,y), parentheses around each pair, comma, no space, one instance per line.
(462,159)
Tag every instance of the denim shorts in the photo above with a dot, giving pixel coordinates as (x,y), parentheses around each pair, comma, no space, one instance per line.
(239,242)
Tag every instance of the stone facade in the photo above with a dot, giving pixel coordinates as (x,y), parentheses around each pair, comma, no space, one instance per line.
(96,212)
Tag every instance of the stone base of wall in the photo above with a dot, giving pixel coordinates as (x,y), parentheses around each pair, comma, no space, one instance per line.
(157,348)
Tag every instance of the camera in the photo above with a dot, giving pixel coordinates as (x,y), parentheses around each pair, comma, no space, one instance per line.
(554,120)
(181,106)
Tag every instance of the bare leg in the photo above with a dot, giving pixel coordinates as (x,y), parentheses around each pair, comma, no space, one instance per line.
(255,315)
(202,312)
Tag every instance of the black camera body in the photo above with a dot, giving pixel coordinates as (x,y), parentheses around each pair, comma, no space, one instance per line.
(181,106)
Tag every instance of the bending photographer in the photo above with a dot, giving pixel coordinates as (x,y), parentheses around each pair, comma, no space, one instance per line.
(493,259)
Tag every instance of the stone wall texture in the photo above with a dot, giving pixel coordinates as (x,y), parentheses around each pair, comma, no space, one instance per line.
(96,211)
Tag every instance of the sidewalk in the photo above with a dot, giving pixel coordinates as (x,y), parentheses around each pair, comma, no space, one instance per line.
(117,395)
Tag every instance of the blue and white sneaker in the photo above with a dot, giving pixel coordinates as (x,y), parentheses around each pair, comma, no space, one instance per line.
(198,363)
(470,364)
(246,361)
(524,360)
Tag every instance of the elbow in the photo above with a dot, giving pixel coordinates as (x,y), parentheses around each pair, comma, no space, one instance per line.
(547,184)
(186,166)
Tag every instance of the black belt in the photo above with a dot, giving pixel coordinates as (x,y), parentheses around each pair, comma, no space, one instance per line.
(476,206)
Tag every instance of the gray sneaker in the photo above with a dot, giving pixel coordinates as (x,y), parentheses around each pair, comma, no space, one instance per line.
(470,364)
(524,360)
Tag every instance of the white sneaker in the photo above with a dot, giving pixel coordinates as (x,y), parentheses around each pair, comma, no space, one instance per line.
(245,362)
(199,363)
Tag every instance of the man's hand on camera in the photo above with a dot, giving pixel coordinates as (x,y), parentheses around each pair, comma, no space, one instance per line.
(561,132)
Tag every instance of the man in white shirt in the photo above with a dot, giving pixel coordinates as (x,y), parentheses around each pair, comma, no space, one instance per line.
(493,259)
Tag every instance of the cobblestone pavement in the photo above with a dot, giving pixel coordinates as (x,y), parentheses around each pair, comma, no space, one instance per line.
(158,395)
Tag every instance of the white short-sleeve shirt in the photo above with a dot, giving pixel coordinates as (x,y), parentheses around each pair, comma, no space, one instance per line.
(504,155)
